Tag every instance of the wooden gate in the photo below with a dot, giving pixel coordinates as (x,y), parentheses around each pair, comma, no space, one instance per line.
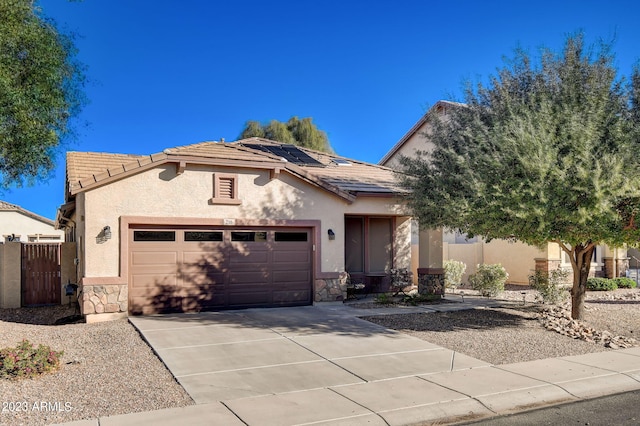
(41,284)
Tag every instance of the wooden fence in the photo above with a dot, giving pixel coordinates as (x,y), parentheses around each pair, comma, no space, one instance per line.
(41,279)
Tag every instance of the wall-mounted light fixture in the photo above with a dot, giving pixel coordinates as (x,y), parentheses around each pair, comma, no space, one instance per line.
(332,235)
(106,232)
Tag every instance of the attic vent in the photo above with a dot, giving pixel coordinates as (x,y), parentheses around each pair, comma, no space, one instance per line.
(342,162)
(225,189)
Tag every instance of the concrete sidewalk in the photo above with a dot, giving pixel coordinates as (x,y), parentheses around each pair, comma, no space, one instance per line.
(322,365)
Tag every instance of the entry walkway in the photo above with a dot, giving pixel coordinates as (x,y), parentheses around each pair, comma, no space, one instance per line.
(321,365)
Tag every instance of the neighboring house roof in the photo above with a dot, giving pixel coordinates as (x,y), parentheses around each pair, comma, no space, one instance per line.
(437,107)
(344,177)
(8,207)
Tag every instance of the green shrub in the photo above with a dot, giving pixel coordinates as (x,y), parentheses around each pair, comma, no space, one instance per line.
(416,299)
(601,284)
(26,361)
(453,272)
(489,279)
(549,285)
(624,282)
(384,299)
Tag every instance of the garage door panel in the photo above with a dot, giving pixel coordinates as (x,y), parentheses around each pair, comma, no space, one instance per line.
(154,258)
(249,277)
(301,256)
(203,279)
(199,303)
(248,257)
(292,267)
(154,280)
(156,300)
(206,260)
(289,297)
(290,276)
(201,269)
(253,298)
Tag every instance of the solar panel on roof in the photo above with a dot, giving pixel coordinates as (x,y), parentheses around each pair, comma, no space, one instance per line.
(291,153)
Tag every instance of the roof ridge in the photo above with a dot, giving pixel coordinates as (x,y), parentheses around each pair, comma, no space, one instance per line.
(423,119)
(17,208)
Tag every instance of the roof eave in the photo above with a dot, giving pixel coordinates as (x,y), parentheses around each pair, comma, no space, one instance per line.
(414,129)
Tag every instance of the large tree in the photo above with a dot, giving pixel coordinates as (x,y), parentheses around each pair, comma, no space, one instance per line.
(41,90)
(546,151)
(296,131)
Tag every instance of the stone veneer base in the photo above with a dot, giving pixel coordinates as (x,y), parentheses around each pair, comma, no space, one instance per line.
(104,299)
(330,289)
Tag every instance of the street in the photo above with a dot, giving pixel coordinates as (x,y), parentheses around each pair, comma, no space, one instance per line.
(619,409)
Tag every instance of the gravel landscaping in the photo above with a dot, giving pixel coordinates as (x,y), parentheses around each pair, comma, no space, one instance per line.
(517,332)
(108,369)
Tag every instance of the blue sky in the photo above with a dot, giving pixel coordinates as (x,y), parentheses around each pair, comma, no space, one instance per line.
(168,73)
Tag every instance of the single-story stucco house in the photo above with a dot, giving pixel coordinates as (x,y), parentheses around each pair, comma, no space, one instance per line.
(19,224)
(215,225)
(519,259)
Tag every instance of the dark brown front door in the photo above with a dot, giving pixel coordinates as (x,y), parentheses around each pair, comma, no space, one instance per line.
(369,250)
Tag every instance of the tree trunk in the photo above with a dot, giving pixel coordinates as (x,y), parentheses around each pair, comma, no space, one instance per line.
(581,268)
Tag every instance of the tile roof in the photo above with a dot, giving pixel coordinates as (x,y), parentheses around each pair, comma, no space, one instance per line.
(86,169)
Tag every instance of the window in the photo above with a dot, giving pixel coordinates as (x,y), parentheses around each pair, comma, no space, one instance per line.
(203,236)
(354,249)
(291,236)
(154,236)
(249,236)
(40,238)
(225,189)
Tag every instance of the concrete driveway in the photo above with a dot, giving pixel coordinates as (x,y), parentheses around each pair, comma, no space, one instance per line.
(320,365)
(219,356)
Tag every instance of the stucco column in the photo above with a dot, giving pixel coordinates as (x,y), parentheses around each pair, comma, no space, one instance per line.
(430,252)
(10,275)
(430,270)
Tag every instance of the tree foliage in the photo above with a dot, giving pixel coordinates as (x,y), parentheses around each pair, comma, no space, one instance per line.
(545,152)
(41,90)
(296,131)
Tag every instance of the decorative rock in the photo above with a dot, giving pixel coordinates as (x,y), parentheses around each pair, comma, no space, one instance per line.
(108,298)
(94,299)
(111,307)
(88,308)
(124,293)
(559,320)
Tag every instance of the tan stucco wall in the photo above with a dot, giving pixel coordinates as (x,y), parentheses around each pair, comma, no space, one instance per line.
(67,268)
(517,258)
(10,274)
(12,222)
(470,254)
(402,243)
(161,193)
(417,142)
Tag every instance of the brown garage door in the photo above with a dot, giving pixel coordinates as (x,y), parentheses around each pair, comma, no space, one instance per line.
(188,270)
